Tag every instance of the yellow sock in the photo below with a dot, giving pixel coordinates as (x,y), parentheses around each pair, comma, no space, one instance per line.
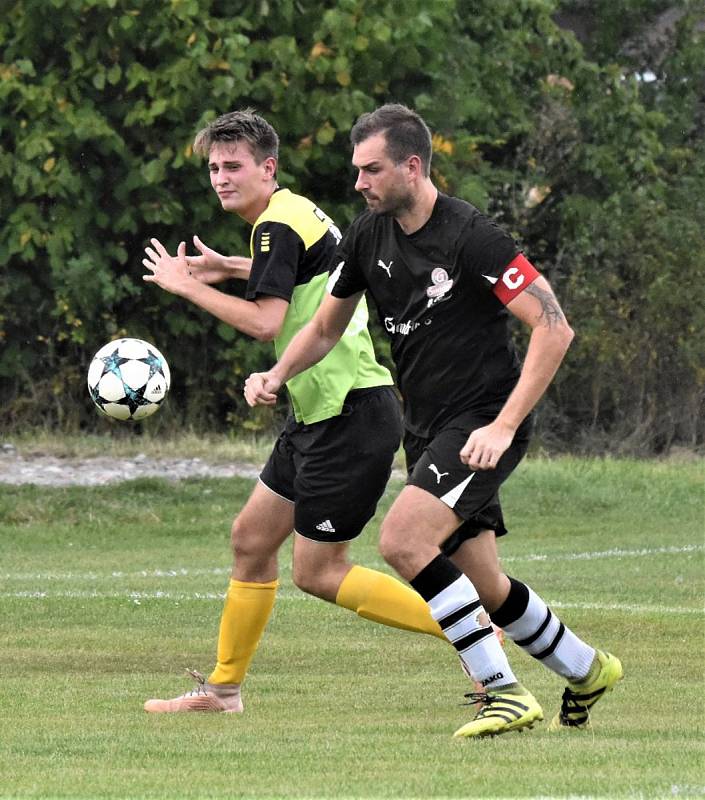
(381,598)
(245,616)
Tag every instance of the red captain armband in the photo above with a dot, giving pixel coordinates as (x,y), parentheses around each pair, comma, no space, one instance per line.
(519,274)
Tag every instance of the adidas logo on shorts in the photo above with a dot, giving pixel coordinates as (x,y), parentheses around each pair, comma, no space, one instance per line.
(325,526)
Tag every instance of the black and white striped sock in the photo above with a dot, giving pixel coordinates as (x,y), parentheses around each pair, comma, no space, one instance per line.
(455,605)
(531,625)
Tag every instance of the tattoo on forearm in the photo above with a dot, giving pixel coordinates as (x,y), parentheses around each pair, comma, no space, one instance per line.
(550,310)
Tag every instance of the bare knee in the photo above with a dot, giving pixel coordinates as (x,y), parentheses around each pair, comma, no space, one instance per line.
(319,569)
(388,544)
(412,530)
(397,547)
(307,579)
(254,554)
(242,540)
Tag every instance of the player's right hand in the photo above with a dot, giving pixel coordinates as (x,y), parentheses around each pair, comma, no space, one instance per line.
(261,389)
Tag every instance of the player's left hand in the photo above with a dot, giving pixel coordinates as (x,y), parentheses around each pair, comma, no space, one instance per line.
(169,272)
(261,389)
(486,445)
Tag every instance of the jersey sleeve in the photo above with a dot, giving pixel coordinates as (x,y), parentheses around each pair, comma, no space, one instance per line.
(495,261)
(346,277)
(277,251)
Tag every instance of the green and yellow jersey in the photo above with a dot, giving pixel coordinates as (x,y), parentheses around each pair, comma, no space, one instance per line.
(293,245)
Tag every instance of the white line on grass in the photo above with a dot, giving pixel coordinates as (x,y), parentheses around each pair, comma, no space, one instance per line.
(138,597)
(613,553)
(188,572)
(628,608)
(178,572)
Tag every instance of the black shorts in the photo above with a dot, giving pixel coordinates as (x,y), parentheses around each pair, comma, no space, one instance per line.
(335,471)
(434,464)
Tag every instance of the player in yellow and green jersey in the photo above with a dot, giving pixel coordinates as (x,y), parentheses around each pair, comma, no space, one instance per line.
(330,464)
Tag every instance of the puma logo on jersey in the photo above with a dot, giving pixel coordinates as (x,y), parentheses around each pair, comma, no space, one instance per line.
(386,267)
(438,474)
(326,526)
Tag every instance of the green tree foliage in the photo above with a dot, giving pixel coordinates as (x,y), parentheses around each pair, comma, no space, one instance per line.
(597,172)
(624,159)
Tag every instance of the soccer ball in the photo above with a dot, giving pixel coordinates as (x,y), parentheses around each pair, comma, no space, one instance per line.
(128,379)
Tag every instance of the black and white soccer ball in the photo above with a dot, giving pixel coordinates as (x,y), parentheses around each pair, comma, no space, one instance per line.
(128,379)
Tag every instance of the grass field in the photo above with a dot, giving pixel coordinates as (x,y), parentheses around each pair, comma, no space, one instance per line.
(107,594)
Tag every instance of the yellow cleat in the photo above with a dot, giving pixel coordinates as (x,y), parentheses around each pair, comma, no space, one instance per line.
(501,712)
(579,698)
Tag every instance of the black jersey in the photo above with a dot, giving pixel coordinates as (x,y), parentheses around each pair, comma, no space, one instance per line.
(434,292)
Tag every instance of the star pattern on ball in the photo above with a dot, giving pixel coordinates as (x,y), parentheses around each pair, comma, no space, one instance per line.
(113,362)
(153,362)
(134,398)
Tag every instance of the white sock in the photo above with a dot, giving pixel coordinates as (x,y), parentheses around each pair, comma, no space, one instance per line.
(542,635)
(457,610)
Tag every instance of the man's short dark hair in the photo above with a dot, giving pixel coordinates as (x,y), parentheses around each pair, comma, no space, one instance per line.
(405,132)
(238,126)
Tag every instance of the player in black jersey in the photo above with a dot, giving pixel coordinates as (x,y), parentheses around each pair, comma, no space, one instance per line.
(444,279)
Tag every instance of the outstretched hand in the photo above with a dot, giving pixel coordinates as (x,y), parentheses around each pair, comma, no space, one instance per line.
(261,389)
(169,272)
